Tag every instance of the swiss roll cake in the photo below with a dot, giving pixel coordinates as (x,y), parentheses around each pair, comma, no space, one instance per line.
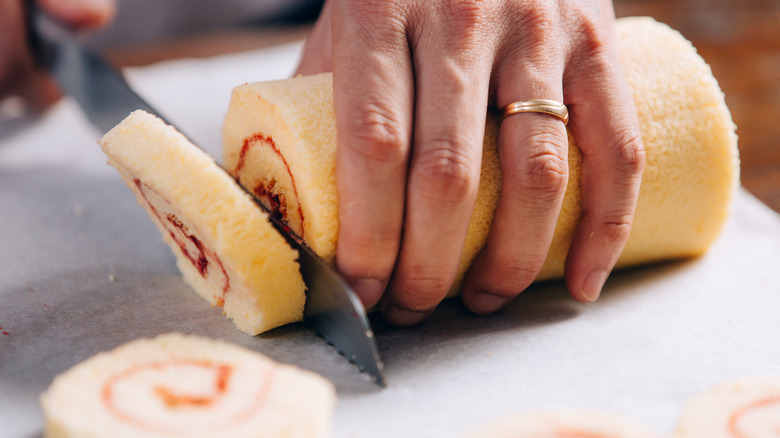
(279,142)
(224,244)
(186,386)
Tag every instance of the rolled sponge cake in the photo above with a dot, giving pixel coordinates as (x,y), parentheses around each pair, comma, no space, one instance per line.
(186,386)
(279,141)
(224,244)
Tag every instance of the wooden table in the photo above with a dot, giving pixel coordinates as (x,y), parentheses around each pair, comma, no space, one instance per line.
(738,38)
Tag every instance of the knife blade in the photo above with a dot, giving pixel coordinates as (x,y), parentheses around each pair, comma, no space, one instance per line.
(332,309)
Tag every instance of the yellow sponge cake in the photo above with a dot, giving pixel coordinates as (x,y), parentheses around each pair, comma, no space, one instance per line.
(744,407)
(225,246)
(186,386)
(279,141)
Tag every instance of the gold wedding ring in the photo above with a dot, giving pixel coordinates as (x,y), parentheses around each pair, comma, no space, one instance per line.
(545,106)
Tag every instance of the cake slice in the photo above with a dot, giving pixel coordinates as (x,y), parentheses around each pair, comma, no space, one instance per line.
(224,244)
(186,386)
(745,407)
(550,423)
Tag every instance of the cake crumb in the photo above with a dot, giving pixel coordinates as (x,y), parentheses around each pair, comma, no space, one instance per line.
(78,209)
(490,355)
(111,278)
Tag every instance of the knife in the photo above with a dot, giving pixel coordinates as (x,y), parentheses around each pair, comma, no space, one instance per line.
(332,309)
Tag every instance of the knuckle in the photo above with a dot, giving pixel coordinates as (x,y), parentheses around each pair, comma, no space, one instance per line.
(546,173)
(539,21)
(446,172)
(617,229)
(369,8)
(510,279)
(373,19)
(421,289)
(377,137)
(535,32)
(591,37)
(629,152)
(470,13)
(463,26)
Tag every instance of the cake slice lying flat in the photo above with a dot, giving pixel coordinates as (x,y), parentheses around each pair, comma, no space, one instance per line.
(562,424)
(186,386)
(744,407)
(224,244)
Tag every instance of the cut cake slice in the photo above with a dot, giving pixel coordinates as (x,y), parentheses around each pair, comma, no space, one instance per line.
(224,244)
(187,386)
(748,406)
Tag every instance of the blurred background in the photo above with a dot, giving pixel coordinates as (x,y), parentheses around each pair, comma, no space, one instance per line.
(738,38)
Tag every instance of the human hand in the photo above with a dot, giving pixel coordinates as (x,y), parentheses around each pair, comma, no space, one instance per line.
(413,81)
(18,72)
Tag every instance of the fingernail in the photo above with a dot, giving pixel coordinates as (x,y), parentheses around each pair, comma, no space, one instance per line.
(404,317)
(591,287)
(483,303)
(369,290)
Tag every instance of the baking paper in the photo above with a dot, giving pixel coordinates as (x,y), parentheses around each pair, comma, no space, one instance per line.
(84,270)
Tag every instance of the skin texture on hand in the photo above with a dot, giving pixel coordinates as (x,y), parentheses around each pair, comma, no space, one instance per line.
(413,80)
(18,72)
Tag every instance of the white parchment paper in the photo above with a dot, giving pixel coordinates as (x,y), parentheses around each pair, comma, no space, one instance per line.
(82,270)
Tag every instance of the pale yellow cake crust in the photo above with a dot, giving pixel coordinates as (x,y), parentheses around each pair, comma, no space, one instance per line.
(186,386)
(225,247)
(559,423)
(745,407)
(295,118)
(689,181)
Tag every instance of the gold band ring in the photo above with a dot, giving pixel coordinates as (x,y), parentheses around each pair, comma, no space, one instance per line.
(546,106)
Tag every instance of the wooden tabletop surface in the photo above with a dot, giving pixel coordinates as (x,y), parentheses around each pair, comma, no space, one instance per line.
(738,38)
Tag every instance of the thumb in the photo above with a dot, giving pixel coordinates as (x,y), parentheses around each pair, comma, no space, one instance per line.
(316,56)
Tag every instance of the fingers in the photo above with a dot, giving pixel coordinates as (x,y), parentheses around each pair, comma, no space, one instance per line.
(608,135)
(373,97)
(451,102)
(81,14)
(532,150)
(19,74)
(12,41)
(408,164)
(317,51)
(533,153)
